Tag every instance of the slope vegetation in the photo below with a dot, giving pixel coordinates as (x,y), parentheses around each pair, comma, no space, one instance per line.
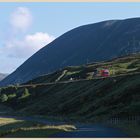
(90,99)
(119,66)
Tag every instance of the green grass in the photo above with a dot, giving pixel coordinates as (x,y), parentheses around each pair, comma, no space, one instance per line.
(5,121)
(124,65)
(4,109)
(84,99)
(10,127)
(71,73)
(39,133)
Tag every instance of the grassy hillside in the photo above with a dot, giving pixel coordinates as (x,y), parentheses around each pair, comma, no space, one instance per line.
(89,100)
(122,65)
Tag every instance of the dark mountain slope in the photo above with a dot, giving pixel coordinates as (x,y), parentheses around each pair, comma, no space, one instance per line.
(89,100)
(92,43)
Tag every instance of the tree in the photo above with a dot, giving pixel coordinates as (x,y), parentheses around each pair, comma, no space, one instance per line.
(25,93)
(3,98)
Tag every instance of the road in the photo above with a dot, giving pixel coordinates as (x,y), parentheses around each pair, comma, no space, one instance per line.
(82,131)
(73,81)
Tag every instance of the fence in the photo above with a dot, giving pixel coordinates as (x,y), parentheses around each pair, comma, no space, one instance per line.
(135,120)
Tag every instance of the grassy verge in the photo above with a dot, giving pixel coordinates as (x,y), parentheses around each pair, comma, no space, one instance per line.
(10,127)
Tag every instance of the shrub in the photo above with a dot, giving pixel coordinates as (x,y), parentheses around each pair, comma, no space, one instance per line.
(11,95)
(3,98)
(25,94)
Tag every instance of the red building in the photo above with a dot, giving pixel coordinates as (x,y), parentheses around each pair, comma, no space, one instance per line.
(104,73)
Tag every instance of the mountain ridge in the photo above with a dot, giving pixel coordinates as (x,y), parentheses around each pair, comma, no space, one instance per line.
(87,43)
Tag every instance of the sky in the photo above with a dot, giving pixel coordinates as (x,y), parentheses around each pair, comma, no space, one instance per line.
(27,27)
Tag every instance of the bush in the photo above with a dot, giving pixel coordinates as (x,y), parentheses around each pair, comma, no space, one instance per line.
(10,96)
(3,98)
(25,94)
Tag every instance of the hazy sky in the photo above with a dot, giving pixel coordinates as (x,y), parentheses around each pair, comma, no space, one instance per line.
(27,27)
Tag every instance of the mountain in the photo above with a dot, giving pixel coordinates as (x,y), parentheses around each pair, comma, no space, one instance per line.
(2,76)
(89,43)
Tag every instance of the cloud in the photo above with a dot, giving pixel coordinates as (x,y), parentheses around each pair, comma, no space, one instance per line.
(21,19)
(23,45)
(20,44)
(27,46)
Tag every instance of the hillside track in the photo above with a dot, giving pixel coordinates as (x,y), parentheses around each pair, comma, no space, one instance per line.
(74,81)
